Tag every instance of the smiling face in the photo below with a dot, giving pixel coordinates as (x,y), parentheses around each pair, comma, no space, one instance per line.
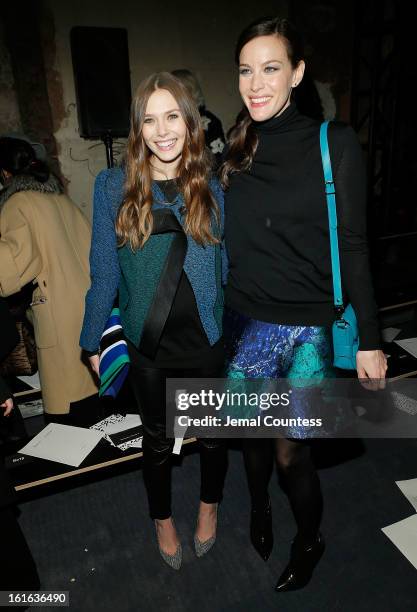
(266,77)
(164,131)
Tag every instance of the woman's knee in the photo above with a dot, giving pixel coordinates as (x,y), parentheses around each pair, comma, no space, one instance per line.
(291,455)
(157,443)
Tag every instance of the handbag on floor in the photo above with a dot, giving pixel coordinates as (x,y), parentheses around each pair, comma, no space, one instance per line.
(345,328)
(22,360)
(114,356)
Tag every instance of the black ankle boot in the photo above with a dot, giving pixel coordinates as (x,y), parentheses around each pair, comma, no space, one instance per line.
(261,534)
(300,568)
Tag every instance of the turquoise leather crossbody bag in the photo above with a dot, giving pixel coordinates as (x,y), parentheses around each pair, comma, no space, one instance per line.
(345,327)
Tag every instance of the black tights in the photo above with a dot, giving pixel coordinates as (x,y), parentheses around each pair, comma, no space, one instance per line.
(298,476)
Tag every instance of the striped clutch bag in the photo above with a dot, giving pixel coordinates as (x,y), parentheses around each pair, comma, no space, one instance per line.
(114,356)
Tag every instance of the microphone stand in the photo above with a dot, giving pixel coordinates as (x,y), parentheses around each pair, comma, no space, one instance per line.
(108,143)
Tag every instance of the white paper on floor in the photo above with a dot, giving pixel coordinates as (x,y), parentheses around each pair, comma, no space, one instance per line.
(116,423)
(63,444)
(409,489)
(389,333)
(33,381)
(404,535)
(409,345)
(136,443)
(30,408)
(404,403)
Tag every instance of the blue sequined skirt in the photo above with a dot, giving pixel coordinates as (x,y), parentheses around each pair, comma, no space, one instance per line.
(260,350)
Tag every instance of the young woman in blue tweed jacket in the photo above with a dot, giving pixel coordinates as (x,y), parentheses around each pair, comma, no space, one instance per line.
(157,242)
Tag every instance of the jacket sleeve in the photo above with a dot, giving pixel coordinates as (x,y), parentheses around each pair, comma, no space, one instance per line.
(104,265)
(20,258)
(350,185)
(219,196)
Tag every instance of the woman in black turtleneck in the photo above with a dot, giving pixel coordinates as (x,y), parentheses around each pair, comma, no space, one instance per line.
(279,296)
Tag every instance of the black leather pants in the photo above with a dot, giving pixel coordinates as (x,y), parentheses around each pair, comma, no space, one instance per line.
(149,388)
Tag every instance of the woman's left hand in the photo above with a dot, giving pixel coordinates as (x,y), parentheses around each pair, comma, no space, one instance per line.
(373,365)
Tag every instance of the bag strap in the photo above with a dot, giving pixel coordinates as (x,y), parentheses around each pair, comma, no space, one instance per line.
(332,214)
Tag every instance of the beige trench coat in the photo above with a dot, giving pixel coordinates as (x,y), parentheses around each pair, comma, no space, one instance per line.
(45,238)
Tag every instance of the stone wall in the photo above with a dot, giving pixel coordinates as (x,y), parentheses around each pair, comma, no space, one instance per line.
(38,95)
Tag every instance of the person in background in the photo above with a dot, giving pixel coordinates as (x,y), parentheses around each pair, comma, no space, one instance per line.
(213,129)
(279,296)
(9,339)
(45,239)
(18,569)
(307,98)
(157,242)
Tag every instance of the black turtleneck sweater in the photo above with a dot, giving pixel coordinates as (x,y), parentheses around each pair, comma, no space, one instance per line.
(277,232)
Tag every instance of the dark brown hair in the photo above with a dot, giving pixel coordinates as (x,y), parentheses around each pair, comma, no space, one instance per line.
(134,220)
(242,139)
(18,157)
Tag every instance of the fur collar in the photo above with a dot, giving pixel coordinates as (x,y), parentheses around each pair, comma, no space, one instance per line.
(25,182)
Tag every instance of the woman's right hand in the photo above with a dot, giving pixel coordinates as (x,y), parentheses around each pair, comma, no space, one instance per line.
(8,406)
(95,364)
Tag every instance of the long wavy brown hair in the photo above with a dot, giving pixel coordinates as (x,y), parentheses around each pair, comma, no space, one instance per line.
(134,219)
(242,139)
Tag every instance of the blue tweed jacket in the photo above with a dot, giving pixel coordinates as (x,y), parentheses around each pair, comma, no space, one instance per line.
(114,268)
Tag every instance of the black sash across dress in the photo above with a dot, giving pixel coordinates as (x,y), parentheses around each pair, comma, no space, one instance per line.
(164,221)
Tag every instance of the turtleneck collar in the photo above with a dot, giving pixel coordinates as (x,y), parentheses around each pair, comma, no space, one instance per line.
(278,124)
